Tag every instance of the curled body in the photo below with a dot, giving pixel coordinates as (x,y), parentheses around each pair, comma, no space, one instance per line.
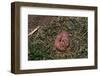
(62,41)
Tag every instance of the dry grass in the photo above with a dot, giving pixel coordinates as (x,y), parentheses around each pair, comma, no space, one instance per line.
(41,43)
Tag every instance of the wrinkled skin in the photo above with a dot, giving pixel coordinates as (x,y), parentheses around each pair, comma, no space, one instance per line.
(62,41)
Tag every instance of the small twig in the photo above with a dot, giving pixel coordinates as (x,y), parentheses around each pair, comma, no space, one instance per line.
(34,30)
(83,35)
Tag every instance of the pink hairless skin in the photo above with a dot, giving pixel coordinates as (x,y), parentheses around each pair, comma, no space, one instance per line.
(62,41)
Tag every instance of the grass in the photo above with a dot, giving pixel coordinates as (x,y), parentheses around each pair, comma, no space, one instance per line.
(41,43)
